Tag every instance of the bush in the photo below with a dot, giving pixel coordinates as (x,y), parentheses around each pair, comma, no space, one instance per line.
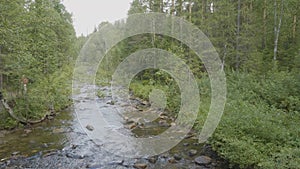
(50,92)
(256,130)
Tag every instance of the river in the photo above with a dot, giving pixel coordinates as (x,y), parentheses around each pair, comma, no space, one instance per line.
(63,142)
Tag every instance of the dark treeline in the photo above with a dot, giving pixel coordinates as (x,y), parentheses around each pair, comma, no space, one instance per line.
(249,35)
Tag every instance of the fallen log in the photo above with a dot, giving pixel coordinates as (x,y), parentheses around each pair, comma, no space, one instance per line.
(22,120)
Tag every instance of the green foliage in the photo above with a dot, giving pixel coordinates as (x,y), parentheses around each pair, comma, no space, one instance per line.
(256,130)
(259,126)
(100,94)
(253,132)
(37,41)
(171,90)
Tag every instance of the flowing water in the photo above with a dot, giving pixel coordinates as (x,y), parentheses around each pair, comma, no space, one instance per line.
(63,143)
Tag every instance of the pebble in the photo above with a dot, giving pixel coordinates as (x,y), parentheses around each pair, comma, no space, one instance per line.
(75,156)
(131,126)
(15,153)
(74,146)
(120,162)
(111,102)
(203,160)
(164,123)
(58,130)
(177,157)
(192,152)
(24,135)
(186,144)
(27,131)
(94,166)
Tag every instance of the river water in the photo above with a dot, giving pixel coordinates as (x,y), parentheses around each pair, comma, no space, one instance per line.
(63,142)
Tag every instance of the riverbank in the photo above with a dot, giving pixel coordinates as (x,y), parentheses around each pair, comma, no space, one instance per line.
(74,149)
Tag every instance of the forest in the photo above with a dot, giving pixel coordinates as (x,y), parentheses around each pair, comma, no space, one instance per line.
(258,42)
(38,43)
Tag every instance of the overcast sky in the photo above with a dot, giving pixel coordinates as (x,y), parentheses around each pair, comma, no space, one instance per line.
(89,13)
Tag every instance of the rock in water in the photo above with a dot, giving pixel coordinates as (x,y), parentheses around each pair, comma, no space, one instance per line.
(203,160)
(89,127)
(27,131)
(192,152)
(15,153)
(177,157)
(172,160)
(140,165)
(152,159)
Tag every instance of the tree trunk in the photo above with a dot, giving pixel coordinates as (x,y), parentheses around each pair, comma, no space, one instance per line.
(264,42)
(22,120)
(224,57)
(179,11)
(204,2)
(294,26)
(11,113)
(237,59)
(190,11)
(173,8)
(1,76)
(277,28)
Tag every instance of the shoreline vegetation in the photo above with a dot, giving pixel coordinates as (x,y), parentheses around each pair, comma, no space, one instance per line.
(259,49)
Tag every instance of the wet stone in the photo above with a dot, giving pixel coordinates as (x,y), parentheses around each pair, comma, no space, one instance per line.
(164,123)
(58,130)
(94,166)
(172,160)
(24,135)
(15,153)
(177,157)
(152,160)
(75,156)
(196,144)
(203,160)
(89,127)
(27,131)
(45,145)
(140,165)
(131,126)
(144,103)
(74,146)
(111,102)
(186,144)
(120,162)
(192,152)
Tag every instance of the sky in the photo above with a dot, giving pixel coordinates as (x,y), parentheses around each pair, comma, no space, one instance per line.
(88,14)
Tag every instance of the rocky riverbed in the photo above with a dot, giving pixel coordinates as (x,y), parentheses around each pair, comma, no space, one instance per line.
(64,143)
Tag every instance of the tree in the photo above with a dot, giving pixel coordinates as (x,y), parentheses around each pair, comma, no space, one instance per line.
(277,27)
